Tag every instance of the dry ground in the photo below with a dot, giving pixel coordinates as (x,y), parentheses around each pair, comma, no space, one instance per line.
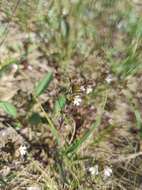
(26,56)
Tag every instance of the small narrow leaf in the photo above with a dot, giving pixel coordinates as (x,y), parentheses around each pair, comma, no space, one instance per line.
(138,119)
(8,108)
(138,122)
(60,104)
(64,28)
(43,84)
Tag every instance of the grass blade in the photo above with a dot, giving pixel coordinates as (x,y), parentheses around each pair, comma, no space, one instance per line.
(60,104)
(8,108)
(138,119)
(43,84)
(79,142)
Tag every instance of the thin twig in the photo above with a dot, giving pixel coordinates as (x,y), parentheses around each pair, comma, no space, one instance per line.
(126,158)
(73,134)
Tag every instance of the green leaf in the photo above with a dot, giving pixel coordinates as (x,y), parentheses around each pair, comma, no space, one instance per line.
(138,122)
(17,125)
(35,119)
(43,84)
(138,119)
(8,108)
(65,28)
(60,104)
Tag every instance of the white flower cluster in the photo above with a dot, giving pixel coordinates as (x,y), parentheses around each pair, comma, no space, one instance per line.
(109,79)
(107,172)
(23,151)
(88,90)
(82,88)
(77,100)
(94,170)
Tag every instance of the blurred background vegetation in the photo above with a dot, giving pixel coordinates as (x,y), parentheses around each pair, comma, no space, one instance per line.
(69,28)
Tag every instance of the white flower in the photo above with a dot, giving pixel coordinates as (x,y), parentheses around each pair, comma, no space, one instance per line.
(77,100)
(23,150)
(82,88)
(120,25)
(34,188)
(65,12)
(94,170)
(107,172)
(109,79)
(14,68)
(30,68)
(89,90)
